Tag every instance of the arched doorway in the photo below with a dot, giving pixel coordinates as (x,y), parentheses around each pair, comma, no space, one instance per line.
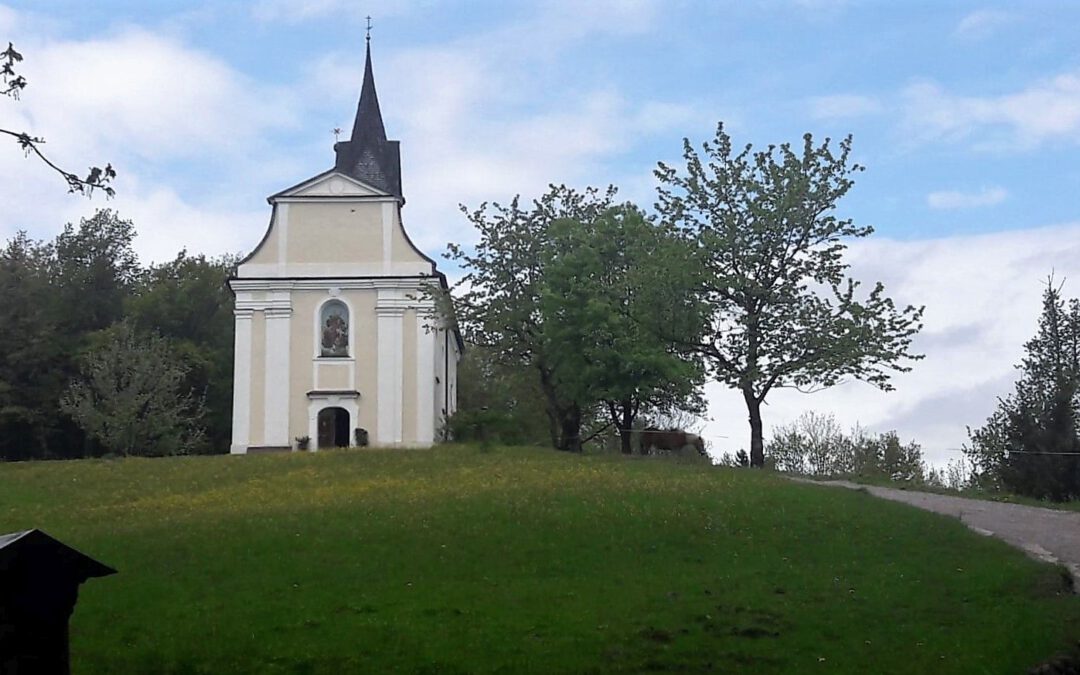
(333,428)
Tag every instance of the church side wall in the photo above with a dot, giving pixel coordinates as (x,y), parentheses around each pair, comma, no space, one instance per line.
(440,380)
(455,356)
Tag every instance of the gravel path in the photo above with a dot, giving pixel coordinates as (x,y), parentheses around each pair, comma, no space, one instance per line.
(1046,534)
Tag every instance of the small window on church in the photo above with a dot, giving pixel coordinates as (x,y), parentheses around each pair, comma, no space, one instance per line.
(334,323)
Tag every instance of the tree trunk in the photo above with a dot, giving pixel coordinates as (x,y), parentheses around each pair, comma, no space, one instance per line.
(553,424)
(757,442)
(571,429)
(622,417)
(552,408)
(564,420)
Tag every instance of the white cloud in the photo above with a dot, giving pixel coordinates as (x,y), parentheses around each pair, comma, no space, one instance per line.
(840,106)
(149,105)
(954,199)
(1045,111)
(982,297)
(982,23)
(167,223)
(143,95)
(164,221)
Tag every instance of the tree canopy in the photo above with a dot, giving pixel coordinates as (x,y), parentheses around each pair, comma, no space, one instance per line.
(574,289)
(612,288)
(129,396)
(63,300)
(771,249)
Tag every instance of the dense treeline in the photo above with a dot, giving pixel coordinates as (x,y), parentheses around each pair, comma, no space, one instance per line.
(816,445)
(1031,443)
(96,348)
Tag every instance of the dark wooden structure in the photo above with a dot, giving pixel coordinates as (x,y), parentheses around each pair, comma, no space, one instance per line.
(39,584)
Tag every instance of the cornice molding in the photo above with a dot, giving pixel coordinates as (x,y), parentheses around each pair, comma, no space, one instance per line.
(325,283)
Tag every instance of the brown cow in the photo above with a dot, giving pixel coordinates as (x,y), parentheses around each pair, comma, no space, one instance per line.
(670,440)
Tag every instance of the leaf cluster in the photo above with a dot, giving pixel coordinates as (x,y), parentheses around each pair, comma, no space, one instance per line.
(96,178)
(575,288)
(129,396)
(613,288)
(785,313)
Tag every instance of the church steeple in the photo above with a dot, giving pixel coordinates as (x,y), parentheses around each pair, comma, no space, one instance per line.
(368,156)
(368,123)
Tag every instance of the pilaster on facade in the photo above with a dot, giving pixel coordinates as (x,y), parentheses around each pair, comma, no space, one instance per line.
(390,314)
(426,335)
(278,315)
(241,412)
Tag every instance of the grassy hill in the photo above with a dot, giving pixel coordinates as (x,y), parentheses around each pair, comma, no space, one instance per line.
(512,560)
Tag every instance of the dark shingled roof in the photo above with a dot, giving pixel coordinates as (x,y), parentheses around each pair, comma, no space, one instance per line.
(367,156)
(21,552)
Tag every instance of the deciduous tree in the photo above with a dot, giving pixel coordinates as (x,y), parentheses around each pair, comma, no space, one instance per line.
(785,313)
(498,299)
(613,287)
(31,356)
(187,301)
(129,396)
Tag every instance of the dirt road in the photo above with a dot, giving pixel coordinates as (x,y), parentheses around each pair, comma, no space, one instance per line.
(1046,534)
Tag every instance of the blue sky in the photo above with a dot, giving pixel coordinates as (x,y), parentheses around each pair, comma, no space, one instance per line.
(967,115)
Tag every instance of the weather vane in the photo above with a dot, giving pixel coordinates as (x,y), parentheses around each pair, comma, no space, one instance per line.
(368,38)
(337,133)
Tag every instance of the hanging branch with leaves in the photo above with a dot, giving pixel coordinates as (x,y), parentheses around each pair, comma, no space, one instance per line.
(97,178)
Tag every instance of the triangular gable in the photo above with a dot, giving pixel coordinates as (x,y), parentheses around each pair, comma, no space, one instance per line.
(331,183)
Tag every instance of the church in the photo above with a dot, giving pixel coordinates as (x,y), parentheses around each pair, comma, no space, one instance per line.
(337,344)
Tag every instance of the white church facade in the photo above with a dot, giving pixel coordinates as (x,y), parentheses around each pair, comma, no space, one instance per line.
(336,341)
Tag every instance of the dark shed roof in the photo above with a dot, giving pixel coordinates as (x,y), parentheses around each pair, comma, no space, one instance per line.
(21,551)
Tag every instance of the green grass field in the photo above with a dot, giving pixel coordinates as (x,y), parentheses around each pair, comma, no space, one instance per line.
(459,560)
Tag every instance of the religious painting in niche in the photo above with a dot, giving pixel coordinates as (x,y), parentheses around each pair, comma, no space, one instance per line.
(334,322)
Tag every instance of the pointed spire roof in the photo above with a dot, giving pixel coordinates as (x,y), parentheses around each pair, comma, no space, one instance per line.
(368,156)
(368,123)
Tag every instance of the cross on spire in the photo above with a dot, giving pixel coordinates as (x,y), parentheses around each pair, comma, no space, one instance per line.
(368,38)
